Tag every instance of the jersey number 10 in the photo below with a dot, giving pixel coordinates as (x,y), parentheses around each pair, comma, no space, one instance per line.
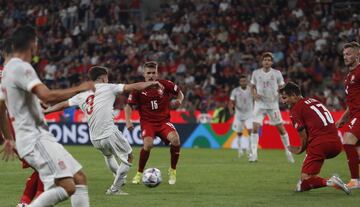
(324,116)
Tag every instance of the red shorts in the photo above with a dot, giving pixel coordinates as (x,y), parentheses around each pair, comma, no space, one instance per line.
(354,127)
(315,156)
(161,130)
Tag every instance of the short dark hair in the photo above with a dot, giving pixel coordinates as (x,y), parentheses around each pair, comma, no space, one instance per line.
(290,89)
(150,64)
(7,47)
(267,54)
(22,37)
(96,71)
(242,76)
(352,44)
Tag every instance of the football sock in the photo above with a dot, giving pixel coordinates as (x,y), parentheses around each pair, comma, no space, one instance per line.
(239,143)
(120,176)
(285,140)
(312,183)
(353,160)
(144,156)
(40,187)
(254,140)
(111,163)
(175,153)
(50,197)
(81,197)
(30,188)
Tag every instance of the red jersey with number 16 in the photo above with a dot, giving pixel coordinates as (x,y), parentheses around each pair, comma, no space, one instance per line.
(315,118)
(352,91)
(154,103)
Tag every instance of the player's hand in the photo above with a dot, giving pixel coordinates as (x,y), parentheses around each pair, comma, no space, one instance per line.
(174,104)
(257,97)
(88,85)
(130,126)
(340,123)
(158,84)
(294,150)
(8,150)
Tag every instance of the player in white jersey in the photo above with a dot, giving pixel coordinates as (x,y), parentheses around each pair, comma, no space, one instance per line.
(242,100)
(104,134)
(59,171)
(265,84)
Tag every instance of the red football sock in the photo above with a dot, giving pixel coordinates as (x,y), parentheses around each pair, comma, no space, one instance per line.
(353,160)
(30,188)
(144,156)
(175,153)
(312,183)
(40,187)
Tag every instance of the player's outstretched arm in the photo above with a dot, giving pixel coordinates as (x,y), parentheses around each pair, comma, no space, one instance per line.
(141,85)
(256,96)
(9,144)
(55,96)
(303,139)
(343,119)
(178,101)
(57,107)
(128,111)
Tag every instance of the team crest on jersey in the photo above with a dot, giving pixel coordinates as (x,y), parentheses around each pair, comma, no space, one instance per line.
(62,165)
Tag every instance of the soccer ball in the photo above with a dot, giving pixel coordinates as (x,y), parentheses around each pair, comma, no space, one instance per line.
(151,177)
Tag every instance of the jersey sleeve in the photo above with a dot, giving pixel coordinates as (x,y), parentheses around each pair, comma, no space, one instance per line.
(297,119)
(26,77)
(75,100)
(133,98)
(170,86)
(253,78)
(232,95)
(117,88)
(280,79)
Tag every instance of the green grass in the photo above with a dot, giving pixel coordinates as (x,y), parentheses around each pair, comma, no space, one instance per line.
(205,178)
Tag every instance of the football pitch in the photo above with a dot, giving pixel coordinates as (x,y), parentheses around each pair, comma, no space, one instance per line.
(205,177)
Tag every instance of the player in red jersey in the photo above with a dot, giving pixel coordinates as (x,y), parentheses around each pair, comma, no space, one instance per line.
(33,187)
(319,137)
(351,116)
(154,109)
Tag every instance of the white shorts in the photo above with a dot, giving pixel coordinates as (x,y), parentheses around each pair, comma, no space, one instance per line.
(116,145)
(239,125)
(274,115)
(52,161)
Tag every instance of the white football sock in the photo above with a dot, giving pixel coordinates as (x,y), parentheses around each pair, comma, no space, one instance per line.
(254,140)
(80,197)
(50,197)
(285,140)
(120,176)
(112,164)
(239,144)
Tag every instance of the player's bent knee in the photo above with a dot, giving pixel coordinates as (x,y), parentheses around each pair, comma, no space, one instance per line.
(68,185)
(80,178)
(305,176)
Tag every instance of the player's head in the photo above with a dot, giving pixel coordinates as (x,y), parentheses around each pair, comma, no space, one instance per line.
(351,54)
(243,81)
(150,71)
(98,74)
(24,40)
(6,49)
(267,60)
(290,93)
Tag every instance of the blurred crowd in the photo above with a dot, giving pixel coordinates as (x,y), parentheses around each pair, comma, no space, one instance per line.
(202,45)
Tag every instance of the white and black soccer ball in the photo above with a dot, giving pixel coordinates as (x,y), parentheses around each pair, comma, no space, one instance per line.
(151,177)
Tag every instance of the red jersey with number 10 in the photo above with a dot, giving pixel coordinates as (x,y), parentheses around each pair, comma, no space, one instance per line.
(352,91)
(315,118)
(154,103)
